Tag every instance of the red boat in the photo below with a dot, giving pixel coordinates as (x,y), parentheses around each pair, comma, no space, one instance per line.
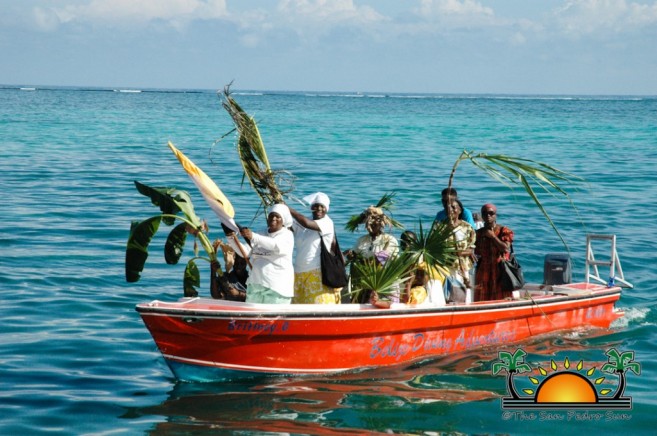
(211,340)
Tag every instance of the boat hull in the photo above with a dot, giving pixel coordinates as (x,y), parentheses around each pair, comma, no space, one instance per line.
(211,340)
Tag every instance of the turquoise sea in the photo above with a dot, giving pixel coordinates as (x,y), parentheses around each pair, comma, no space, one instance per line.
(75,357)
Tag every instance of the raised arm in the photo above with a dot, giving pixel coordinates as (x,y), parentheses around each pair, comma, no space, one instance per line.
(303,220)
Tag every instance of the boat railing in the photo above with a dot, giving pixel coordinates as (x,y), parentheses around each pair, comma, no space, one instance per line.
(616,277)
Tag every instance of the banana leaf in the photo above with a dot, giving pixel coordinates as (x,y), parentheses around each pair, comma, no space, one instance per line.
(191,279)
(141,234)
(170,201)
(173,248)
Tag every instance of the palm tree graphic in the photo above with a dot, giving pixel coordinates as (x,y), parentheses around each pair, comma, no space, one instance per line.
(620,363)
(512,364)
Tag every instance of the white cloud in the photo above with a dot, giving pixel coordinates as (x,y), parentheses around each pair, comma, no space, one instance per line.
(130,12)
(580,17)
(45,19)
(328,11)
(453,7)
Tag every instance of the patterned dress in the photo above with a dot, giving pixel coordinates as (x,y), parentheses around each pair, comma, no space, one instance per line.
(488,285)
(308,286)
(464,238)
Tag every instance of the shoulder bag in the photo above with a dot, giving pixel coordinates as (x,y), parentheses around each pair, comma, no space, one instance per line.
(333,270)
(511,275)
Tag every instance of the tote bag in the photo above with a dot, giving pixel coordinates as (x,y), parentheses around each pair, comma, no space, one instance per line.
(511,275)
(333,271)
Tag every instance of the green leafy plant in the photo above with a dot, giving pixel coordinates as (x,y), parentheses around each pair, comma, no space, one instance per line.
(383,279)
(386,203)
(174,205)
(435,247)
(516,171)
(253,156)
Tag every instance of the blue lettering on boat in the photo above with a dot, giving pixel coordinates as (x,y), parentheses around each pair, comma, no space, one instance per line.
(256,326)
(384,347)
(492,338)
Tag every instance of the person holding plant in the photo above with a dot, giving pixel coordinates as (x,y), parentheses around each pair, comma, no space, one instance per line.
(377,246)
(308,236)
(493,243)
(271,280)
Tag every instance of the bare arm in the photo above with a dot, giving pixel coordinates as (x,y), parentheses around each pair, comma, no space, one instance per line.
(303,220)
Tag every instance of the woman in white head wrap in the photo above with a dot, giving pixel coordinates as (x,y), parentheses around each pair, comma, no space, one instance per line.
(271,280)
(308,286)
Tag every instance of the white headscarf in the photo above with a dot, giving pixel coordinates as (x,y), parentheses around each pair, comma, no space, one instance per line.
(284,212)
(318,198)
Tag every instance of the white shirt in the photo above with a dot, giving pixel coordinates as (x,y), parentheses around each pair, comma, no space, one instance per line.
(308,244)
(384,242)
(271,259)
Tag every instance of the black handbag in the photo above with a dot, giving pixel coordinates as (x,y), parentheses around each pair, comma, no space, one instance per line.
(511,275)
(333,270)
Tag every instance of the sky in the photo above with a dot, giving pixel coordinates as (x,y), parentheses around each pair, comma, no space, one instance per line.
(563,47)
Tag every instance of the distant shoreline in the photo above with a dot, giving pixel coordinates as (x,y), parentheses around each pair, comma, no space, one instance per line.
(364,94)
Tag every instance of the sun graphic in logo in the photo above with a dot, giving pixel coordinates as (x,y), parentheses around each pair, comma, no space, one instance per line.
(566,387)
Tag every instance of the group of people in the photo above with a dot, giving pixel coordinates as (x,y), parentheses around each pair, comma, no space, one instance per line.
(481,244)
(278,277)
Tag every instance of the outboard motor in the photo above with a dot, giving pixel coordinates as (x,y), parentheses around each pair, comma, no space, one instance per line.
(557,269)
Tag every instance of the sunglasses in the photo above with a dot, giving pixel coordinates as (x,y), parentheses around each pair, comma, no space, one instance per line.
(489,213)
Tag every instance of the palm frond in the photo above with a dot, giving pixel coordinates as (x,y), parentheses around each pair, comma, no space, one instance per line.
(435,247)
(513,171)
(386,202)
(252,153)
(383,279)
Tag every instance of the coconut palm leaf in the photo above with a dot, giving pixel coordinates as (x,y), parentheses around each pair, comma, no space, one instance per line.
(386,203)
(247,128)
(252,154)
(513,171)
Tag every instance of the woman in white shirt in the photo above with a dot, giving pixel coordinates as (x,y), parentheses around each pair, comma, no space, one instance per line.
(308,233)
(271,280)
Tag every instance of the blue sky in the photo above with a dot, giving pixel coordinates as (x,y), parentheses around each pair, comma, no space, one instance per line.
(599,47)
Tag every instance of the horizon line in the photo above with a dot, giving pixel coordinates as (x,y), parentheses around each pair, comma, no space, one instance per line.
(10,86)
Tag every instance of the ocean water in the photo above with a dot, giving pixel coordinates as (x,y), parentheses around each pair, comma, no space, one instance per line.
(75,357)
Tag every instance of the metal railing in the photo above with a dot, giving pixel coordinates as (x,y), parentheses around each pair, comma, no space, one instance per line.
(616,277)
